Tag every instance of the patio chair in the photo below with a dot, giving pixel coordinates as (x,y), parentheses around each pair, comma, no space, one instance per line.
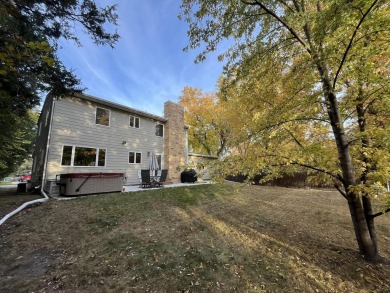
(145,178)
(162,178)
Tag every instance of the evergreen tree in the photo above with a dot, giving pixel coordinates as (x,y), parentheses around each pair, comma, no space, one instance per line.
(29,34)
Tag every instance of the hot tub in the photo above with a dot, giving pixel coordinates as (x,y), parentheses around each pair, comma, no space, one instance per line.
(73,184)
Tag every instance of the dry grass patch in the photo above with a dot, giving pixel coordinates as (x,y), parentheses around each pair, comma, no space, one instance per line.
(10,199)
(191,239)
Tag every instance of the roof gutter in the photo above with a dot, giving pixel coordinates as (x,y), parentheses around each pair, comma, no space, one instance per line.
(119,107)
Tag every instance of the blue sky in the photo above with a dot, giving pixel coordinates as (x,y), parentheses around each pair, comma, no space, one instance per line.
(147,66)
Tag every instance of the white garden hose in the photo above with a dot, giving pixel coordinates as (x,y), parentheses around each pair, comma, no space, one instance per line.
(23,206)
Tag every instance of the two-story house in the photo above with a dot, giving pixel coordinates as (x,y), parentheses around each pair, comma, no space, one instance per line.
(86,134)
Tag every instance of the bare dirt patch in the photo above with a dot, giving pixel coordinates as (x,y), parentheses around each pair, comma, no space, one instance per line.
(194,239)
(10,199)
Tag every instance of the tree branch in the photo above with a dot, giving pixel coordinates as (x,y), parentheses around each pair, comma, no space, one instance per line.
(351,142)
(285,4)
(292,120)
(351,42)
(293,137)
(251,135)
(336,176)
(279,19)
(380,213)
(340,190)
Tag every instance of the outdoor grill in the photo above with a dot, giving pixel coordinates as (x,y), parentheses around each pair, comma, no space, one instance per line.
(188,176)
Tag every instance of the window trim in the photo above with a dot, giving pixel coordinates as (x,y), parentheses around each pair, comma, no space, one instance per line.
(135,118)
(135,158)
(109,116)
(105,157)
(163,129)
(161,160)
(73,154)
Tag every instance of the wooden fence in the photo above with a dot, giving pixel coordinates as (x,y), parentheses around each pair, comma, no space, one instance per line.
(298,180)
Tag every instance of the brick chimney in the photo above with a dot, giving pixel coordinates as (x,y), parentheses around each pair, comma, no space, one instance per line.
(174,140)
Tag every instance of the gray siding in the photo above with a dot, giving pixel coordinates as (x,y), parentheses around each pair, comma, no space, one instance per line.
(39,153)
(74,124)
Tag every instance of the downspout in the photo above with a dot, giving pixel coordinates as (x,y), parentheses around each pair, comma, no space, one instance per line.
(40,200)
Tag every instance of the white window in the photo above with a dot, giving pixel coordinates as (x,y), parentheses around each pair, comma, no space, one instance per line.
(102,117)
(159,130)
(159,161)
(67,155)
(134,121)
(134,158)
(83,156)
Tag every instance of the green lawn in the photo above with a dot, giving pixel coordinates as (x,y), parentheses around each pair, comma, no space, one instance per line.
(5,183)
(206,238)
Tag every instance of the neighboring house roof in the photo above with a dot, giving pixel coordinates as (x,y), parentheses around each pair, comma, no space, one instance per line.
(120,107)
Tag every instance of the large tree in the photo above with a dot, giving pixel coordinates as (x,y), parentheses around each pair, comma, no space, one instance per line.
(29,34)
(29,67)
(18,134)
(313,77)
(208,121)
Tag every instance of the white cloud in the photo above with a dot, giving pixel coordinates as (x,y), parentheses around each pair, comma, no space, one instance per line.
(147,66)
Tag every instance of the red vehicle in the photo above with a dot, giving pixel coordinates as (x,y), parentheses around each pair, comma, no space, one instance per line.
(26,176)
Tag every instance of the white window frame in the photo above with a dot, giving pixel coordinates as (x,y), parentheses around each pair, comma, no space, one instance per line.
(135,118)
(135,158)
(163,130)
(105,157)
(109,116)
(73,155)
(161,161)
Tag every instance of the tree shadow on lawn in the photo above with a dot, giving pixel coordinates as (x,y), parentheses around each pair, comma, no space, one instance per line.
(152,242)
(299,260)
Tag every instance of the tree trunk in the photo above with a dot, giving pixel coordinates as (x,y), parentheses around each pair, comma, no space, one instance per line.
(366,243)
(364,236)
(367,205)
(368,212)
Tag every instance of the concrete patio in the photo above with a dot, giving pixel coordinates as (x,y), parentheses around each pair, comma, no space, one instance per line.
(133,188)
